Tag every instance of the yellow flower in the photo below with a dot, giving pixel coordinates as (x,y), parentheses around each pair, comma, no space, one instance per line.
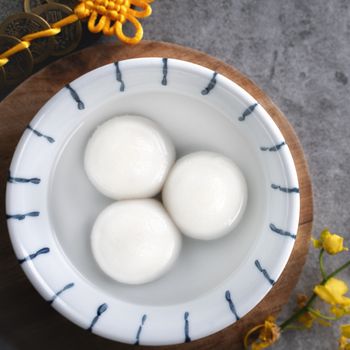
(332,292)
(333,244)
(330,242)
(316,243)
(345,335)
(343,344)
(302,299)
(306,319)
(269,333)
(345,330)
(339,311)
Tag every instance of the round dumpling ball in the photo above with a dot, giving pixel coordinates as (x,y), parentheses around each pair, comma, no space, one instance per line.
(128,157)
(205,194)
(135,241)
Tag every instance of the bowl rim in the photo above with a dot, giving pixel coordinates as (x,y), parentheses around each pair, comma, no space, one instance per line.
(96,323)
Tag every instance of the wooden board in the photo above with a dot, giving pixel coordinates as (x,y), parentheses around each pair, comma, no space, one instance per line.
(26,320)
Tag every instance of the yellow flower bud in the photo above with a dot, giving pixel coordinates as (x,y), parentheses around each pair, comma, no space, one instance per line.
(331,243)
(337,311)
(316,243)
(306,319)
(343,344)
(345,330)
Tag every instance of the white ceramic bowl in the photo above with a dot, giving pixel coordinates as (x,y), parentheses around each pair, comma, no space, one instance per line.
(51,204)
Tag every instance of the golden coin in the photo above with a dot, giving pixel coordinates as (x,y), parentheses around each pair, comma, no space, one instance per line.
(29,4)
(21,24)
(20,65)
(69,3)
(69,37)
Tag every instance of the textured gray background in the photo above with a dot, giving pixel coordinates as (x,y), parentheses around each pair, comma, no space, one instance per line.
(299,53)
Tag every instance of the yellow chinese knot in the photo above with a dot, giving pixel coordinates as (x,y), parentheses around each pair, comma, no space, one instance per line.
(109,16)
(106,16)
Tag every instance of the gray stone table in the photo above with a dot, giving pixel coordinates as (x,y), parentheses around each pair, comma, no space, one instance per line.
(299,53)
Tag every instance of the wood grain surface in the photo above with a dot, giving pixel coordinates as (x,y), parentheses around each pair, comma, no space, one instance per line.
(27,321)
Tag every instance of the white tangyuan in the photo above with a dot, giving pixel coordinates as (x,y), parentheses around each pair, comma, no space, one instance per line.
(135,241)
(205,194)
(128,157)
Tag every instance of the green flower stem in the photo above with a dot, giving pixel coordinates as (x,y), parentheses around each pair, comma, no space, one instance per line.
(320,260)
(320,315)
(300,328)
(308,304)
(296,315)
